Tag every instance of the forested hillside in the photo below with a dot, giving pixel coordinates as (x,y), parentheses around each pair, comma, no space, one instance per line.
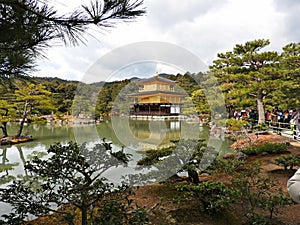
(248,77)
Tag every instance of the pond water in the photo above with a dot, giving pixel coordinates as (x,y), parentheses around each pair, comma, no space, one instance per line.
(134,136)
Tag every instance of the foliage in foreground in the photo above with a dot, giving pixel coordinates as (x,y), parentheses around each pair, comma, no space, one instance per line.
(247,189)
(73,175)
(186,155)
(287,161)
(258,194)
(213,195)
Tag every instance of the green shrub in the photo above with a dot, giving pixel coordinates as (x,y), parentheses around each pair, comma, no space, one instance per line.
(261,127)
(152,156)
(261,197)
(215,196)
(270,148)
(234,124)
(253,150)
(120,209)
(287,161)
(184,155)
(224,166)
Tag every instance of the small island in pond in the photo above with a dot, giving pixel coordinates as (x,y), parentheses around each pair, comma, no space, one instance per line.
(15,140)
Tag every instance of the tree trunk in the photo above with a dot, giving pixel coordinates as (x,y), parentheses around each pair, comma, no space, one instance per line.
(260,107)
(4,125)
(84,215)
(22,120)
(4,129)
(297,120)
(193,176)
(230,110)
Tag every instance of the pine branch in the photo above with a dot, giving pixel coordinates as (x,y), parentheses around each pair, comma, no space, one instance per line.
(101,13)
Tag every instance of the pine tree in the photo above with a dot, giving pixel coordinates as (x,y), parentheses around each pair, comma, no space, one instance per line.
(31,98)
(248,74)
(290,63)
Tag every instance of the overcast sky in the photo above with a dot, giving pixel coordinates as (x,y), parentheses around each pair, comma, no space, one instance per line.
(202,27)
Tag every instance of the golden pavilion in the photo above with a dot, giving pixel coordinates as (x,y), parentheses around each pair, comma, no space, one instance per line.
(156,97)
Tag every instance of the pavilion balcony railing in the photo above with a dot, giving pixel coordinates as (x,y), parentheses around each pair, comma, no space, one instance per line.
(146,113)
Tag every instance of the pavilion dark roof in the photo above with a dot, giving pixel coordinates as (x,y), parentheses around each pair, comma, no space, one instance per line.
(157,92)
(156,79)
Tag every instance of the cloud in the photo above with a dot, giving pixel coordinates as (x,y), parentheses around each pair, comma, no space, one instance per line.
(291,11)
(168,13)
(203,27)
(143,70)
(225,25)
(140,54)
(70,63)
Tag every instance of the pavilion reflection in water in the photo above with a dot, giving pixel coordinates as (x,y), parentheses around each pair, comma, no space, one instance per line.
(155,134)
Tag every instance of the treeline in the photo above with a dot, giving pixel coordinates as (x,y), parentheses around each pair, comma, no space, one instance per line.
(247,77)
(75,98)
(104,99)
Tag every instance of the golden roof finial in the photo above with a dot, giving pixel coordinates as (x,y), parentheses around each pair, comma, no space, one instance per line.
(156,74)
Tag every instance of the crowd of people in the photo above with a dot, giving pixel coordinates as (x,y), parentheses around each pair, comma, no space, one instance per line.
(277,119)
(275,116)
